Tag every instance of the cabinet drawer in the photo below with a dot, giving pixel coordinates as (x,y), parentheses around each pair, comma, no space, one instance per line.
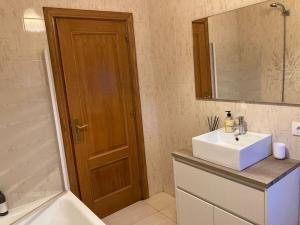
(234,197)
(192,210)
(224,218)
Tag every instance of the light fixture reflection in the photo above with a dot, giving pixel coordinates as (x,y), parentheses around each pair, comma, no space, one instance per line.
(33,22)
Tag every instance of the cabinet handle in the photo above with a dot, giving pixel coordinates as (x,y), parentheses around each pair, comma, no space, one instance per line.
(82,127)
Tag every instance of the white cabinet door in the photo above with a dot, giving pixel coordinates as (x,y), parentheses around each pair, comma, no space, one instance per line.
(192,210)
(224,218)
(237,198)
(283,200)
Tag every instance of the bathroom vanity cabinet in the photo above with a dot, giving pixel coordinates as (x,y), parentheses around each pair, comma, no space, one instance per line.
(207,194)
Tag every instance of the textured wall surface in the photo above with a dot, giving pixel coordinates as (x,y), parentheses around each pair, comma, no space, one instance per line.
(261,34)
(29,162)
(224,35)
(293,52)
(182,116)
(29,167)
(248,46)
(249,52)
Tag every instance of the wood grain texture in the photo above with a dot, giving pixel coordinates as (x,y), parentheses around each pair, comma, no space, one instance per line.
(260,176)
(50,15)
(202,59)
(95,65)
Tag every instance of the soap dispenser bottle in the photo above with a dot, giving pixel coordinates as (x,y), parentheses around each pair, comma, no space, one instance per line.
(229,123)
(3,205)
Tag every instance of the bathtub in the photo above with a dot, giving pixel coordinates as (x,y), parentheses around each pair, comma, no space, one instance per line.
(65,210)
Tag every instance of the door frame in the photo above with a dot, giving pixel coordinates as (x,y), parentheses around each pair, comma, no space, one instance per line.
(50,15)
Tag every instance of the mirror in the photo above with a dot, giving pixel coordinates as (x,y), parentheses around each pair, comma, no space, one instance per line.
(251,54)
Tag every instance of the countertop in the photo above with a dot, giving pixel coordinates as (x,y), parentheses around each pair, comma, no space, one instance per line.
(260,176)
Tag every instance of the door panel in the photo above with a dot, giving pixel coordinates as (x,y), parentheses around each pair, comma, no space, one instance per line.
(100,95)
(105,109)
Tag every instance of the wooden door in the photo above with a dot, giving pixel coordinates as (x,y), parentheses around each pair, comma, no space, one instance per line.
(99,87)
(202,59)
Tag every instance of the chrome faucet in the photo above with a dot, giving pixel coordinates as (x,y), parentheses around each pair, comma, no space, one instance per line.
(241,125)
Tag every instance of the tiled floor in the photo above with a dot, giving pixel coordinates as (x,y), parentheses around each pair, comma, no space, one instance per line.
(158,210)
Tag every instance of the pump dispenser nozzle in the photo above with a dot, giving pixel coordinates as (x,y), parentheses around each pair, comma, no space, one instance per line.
(228,113)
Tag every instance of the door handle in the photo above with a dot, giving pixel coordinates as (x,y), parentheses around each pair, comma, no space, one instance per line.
(82,127)
(77,129)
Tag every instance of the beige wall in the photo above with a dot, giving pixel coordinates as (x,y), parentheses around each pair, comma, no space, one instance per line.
(182,115)
(224,35)
(293,52)
(247,42)
(29,162)
(171,114)
(249,53)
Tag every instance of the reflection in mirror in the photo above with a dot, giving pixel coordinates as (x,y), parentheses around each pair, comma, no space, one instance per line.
(249,54)
(202,59)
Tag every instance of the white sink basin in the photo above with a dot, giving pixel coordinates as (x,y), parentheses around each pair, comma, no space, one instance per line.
(223,148)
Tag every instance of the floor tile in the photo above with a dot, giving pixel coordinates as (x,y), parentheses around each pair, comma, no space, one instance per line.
(170,212)
(161,201)
(105,221)
(156,219)
(130,215)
